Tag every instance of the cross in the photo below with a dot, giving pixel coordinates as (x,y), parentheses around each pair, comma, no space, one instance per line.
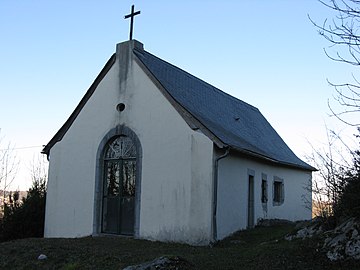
(131,16)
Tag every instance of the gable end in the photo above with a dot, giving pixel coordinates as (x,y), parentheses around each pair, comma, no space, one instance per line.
(61,132)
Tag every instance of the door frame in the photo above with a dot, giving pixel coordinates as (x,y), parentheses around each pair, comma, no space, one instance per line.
(99,178)
(251,200)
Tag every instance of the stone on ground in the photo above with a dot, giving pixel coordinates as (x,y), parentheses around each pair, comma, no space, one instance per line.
(163,263)
(341,243)
(344,241)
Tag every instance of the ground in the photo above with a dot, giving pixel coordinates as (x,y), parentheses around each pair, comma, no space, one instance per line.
(260,248)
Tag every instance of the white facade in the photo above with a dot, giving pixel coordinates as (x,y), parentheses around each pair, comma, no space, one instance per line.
(175,194)
(233,193)
(175,202)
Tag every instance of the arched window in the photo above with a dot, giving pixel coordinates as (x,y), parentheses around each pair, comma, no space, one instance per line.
(119,179)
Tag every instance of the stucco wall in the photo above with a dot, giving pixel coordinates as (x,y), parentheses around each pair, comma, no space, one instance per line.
(69,206)
(176,169)
(176,189)
(232,205)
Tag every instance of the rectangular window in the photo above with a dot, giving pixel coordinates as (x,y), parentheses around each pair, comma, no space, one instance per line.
(264,198)
(278,191)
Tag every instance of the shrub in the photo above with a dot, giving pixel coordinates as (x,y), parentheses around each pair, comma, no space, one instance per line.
(348,204)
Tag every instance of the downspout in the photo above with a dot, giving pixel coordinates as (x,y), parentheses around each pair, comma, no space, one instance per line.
(215,190)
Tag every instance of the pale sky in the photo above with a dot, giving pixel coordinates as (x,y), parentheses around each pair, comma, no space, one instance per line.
(266,53)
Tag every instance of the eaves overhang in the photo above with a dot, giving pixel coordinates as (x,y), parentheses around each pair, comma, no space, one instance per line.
(270,160)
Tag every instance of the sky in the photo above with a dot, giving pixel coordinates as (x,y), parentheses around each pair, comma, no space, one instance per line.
(266,53)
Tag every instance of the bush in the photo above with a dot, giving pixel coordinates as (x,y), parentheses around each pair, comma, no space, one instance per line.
(348,204)
(25,219)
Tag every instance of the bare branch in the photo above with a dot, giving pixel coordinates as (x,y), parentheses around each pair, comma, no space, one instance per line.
(9,165)
(343,34)
(341,119)
(332,160)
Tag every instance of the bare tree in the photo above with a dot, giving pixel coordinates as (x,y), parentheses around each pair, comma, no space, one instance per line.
(39,169)
(342,32)
(9,165)
(332,161)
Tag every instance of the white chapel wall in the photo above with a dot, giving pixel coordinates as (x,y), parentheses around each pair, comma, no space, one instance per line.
(232,211)
(70,200)
(176,166)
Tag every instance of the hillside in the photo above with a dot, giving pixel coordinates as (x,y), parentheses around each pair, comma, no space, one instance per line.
(260,248)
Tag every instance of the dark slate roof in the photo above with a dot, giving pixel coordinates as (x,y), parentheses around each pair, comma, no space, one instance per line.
(236,123)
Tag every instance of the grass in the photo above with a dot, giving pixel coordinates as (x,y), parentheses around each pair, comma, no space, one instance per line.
(260,248)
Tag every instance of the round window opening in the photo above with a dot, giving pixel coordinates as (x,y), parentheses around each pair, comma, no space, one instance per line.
(120,107)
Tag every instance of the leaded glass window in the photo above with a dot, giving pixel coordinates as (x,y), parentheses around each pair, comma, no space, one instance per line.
(121,147)
(119,186)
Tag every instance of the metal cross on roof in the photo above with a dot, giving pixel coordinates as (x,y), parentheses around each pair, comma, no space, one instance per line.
(131,16)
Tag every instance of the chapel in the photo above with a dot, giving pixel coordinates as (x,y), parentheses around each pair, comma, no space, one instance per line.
(153,152)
